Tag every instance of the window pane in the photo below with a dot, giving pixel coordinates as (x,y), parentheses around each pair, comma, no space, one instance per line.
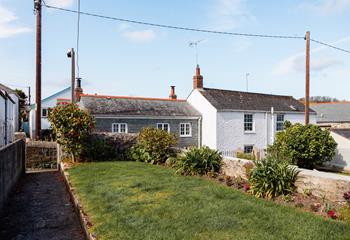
(122,128)
(248,149)
(248,122)
(159,126)
(166,127)
(280,117)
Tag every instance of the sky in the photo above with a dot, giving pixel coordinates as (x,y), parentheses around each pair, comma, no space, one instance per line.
(117,58)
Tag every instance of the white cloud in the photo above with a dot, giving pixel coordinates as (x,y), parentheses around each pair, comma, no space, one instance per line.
(229,14)
(60,3)
(318,62)
(140,36)
(7,28)
(147,35)
(327,6)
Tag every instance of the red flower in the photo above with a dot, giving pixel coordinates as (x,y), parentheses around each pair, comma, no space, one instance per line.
(331,214)
(246,187)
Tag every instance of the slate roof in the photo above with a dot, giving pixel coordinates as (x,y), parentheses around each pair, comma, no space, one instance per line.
(137,106)
(332,112)
(227,100)
(342,132)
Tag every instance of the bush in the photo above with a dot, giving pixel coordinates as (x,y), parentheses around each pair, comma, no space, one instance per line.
(199,161)
(248,156)
(71,126)
(304,145)
(107,146)
(271,178)
(154,146)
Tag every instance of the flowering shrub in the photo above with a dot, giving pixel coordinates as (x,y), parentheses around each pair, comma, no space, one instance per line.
(71,126)
(331,214)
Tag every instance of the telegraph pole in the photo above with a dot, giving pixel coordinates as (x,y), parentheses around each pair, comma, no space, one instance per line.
(307,78)
(37,7)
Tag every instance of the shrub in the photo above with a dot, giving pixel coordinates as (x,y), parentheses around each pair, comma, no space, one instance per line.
(304,145)
(154,146)
(71,126)
(344,213)
(271,178)
(199,161)
(248,156)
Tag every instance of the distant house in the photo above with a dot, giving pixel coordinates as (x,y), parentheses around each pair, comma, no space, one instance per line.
(342,157)
(334,114)
(130,114)
(9,114)
(242,121)
(46,103)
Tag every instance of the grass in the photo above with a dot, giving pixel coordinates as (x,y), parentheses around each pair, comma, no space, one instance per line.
(132,200)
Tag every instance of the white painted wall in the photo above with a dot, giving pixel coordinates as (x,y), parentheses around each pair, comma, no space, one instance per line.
(10,110)
(342,158)
(202,105)
(49,102)
(2,121)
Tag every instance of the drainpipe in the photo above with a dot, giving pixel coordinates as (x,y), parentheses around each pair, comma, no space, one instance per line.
(272,126)
(266,130)
(199,132)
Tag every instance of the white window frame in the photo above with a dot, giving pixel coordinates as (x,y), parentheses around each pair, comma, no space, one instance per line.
(279,122)
(253,123)
(190,129)
(246,146)
(119,127)
(161,126)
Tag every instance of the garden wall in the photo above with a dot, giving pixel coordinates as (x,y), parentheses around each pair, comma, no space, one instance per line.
(12,166)
(321,184)
(41,155)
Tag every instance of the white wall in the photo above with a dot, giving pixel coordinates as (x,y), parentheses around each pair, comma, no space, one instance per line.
(50,102)
(2,121)
(342,158)
(201,104)
(231,135)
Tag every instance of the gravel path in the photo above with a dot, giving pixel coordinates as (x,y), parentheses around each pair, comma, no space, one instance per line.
(40,208)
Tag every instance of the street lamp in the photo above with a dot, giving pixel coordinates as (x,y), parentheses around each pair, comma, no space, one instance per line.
(71,54)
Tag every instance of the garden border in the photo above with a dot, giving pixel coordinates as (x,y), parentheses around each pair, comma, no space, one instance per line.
(77,206)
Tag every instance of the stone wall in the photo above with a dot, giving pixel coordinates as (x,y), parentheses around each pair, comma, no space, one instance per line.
(12,166)
(321,184)
(41,155)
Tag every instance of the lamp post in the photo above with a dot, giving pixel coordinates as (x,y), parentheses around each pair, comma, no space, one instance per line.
(71,54)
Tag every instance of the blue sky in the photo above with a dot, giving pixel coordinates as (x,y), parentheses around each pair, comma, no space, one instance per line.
(126,59)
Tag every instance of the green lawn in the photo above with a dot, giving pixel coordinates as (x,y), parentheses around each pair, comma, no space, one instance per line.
(131,200)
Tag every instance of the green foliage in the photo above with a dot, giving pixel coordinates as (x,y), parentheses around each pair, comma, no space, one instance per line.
(248,156)
(97,149)
(71,126)
(199,161)
(271,178)
(304,145)
(154,146)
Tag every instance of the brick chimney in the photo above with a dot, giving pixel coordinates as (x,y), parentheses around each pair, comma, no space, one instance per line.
(78,90)
(172,93)
(198,79)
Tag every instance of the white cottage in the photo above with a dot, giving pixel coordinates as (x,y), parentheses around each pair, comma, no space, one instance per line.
(62,96)
(9,114)
(242,121)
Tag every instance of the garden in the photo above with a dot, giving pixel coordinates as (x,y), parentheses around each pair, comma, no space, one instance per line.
(142,187)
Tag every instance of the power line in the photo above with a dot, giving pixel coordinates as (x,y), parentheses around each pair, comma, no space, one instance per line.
(329,45)
(78,36)
(191,29)
(173,27)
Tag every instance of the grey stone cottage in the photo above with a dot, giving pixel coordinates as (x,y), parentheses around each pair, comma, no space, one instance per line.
(122,114)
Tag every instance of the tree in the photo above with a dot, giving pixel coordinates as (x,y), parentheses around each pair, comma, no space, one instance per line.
(71,126)
(23,111)
(304,145)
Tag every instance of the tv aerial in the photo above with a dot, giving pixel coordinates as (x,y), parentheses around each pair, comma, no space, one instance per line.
(194,44)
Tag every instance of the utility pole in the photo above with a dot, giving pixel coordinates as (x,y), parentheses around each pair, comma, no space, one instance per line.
(37,7)
(307,78)
(71,54)
(246,79)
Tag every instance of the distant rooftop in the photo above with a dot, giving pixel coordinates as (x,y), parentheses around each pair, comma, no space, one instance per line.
(335,112)
(228,100)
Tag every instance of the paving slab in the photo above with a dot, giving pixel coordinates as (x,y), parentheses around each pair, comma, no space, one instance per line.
(40,209)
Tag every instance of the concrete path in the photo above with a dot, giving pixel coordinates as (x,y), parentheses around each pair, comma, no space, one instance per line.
(40,209)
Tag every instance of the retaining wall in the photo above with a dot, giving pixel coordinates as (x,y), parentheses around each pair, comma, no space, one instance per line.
(12,167)
(41,154)
(321,184)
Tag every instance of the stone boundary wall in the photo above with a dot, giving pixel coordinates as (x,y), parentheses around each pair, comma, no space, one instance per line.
(41,154)
(12,167)
(321,184)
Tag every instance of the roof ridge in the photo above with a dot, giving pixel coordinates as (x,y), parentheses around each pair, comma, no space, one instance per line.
(243,92)
(133,97)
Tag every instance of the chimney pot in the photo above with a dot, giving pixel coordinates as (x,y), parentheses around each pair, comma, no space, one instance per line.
(172,93)
(78,91)
(198,79)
